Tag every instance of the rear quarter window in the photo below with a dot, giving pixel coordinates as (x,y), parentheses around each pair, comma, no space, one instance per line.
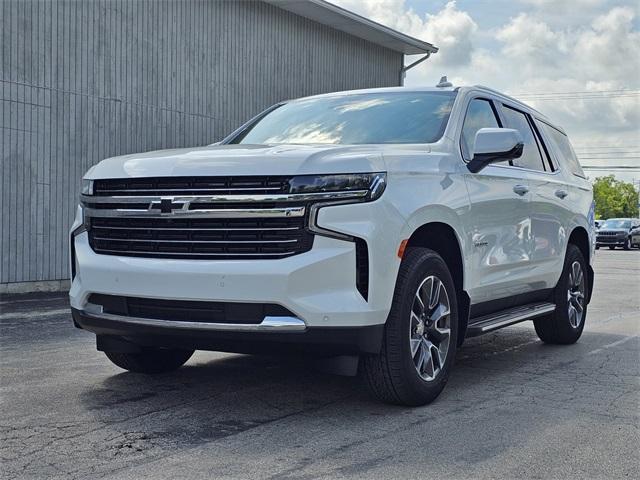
(562,148)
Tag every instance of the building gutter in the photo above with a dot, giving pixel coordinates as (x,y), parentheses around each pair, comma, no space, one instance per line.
(403,70)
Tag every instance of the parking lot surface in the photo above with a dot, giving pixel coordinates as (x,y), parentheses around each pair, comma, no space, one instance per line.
(513,408)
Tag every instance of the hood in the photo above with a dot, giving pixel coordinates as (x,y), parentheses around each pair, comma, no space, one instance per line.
(224,160)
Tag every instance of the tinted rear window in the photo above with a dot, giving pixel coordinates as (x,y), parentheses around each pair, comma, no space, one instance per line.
(562,147)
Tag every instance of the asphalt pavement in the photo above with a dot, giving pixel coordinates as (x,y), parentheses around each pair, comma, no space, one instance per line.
(514,407)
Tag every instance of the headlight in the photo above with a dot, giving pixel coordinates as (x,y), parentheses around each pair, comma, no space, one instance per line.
(346,188)
(370,185)
(87,187)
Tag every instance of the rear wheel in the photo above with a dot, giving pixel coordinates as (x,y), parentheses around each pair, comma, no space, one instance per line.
(151,360)
(419,344)
(566,323)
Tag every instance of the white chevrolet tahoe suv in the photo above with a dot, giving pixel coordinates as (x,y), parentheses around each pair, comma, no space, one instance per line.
(378,228)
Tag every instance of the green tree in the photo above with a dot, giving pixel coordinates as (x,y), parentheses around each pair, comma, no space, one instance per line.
(614,198)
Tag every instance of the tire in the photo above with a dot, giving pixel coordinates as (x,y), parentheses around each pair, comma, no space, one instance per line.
(392,376)
(597,247)
(151,360)
(627,244)
(612,247)
(562,327)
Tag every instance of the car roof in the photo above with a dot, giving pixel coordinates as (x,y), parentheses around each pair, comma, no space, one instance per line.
(364,91)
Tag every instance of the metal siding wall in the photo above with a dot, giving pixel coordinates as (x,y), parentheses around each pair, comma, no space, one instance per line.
(82,81)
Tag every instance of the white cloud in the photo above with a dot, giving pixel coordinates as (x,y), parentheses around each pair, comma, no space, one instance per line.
(450,29)
(565,11)
(612,46)
(527,37)
(556,5)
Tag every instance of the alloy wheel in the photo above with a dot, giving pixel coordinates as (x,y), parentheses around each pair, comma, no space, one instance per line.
(430,332)
(576,294)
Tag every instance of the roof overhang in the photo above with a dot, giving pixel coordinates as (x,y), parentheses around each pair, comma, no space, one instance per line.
(336,17)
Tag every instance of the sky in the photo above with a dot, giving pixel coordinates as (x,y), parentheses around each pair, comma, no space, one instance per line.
(582,55)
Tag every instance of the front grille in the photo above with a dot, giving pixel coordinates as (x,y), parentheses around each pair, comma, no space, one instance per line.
(188,310)
(226,218)
(609,234)
(191,186)
(202,238)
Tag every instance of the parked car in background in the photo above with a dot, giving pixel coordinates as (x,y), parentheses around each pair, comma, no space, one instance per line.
(379,227)
(616,232)
(635,237)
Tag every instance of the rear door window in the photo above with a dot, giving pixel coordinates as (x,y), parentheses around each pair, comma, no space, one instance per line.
(531,155)
(562,147)
(480,114)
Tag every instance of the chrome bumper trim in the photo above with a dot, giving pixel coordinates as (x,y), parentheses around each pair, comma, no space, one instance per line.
(268,324)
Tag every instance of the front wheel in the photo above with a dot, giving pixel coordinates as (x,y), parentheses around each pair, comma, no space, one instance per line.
(419,344)
(566,323)
(627,244)
(150,360)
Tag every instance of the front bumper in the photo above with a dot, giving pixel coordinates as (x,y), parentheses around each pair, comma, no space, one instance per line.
(311,340)
(318,287)
(611,240)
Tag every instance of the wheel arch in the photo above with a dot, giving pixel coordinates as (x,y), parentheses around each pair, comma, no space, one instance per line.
(580,238)
(443,239)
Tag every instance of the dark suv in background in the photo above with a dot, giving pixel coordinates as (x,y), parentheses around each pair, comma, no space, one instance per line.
(616,232)
(635,237)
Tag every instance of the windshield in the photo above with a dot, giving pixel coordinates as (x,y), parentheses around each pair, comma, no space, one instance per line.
(365,118)
(612,224)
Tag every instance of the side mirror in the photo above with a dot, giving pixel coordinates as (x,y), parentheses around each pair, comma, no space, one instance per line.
(493,145)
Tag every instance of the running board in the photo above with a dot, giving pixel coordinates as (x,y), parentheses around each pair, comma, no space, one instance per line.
(494,321)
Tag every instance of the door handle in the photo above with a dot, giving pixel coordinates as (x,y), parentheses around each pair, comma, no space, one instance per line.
(520,189)
(561,193)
